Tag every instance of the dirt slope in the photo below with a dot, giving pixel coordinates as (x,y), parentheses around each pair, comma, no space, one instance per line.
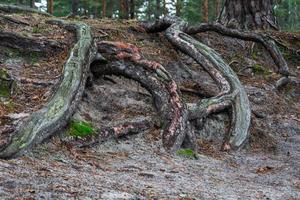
(136,167)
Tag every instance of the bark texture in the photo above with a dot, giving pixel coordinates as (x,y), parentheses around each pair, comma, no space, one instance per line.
(250,14)
(205,10)
(56,113)
(50,6)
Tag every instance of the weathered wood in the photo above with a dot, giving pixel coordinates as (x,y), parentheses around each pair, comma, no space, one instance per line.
(231,93)
(55,114)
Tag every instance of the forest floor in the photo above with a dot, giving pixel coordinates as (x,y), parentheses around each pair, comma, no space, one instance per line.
(136,166)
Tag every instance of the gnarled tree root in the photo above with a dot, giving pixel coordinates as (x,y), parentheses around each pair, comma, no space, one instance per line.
(268,43)
(125,60)
(232,93)
(54,116)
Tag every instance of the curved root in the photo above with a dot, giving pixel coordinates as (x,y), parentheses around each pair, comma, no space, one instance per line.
(126,61)
(231,93)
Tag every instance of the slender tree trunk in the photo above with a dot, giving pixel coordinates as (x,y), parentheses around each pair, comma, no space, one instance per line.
(148,14)
(217,8)
(205,10)
(178,7)
(75,4)
(109,9)
(20,2)
(132,9)
(32,3)
(104,4)
(165,11)
(50,6)
(123,9)
(249,15)
(157,12)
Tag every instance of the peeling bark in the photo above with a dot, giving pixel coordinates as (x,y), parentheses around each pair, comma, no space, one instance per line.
(231,93)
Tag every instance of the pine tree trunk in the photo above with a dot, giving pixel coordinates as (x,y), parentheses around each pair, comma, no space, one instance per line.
(75,4)
(249,15)
(165,8)
(32,3)
(132,9)
(50,6)
(21,2)
(157,12)
(205,10)
(217,7)
(109,7)
(104,8)
(178,7)
(123,9)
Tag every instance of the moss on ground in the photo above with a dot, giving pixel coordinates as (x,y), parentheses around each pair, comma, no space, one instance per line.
(5,83)
(187,153)
(80,129)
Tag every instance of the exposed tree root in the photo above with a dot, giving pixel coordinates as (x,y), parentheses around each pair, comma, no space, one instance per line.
(231,93)
(266,41)
(56,113)
(126,61)
(28,44)
(116,132)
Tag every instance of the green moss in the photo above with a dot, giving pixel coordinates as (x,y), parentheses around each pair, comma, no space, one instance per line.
(6,83)
(33,57)
(79,129)
(12,53)
(10,105)
(259,69)
(187,153)
(36,29)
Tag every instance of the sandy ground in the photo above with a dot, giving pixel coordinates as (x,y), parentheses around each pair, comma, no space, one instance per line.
(136,167)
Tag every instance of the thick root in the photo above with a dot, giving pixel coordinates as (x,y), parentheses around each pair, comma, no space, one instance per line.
(126,61)
(231,93)
(57,112)
(266,41)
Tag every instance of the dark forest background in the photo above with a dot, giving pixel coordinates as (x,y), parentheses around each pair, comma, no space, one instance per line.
(194,11)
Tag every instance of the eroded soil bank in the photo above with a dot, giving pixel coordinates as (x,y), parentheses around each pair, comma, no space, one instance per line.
(136,166)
